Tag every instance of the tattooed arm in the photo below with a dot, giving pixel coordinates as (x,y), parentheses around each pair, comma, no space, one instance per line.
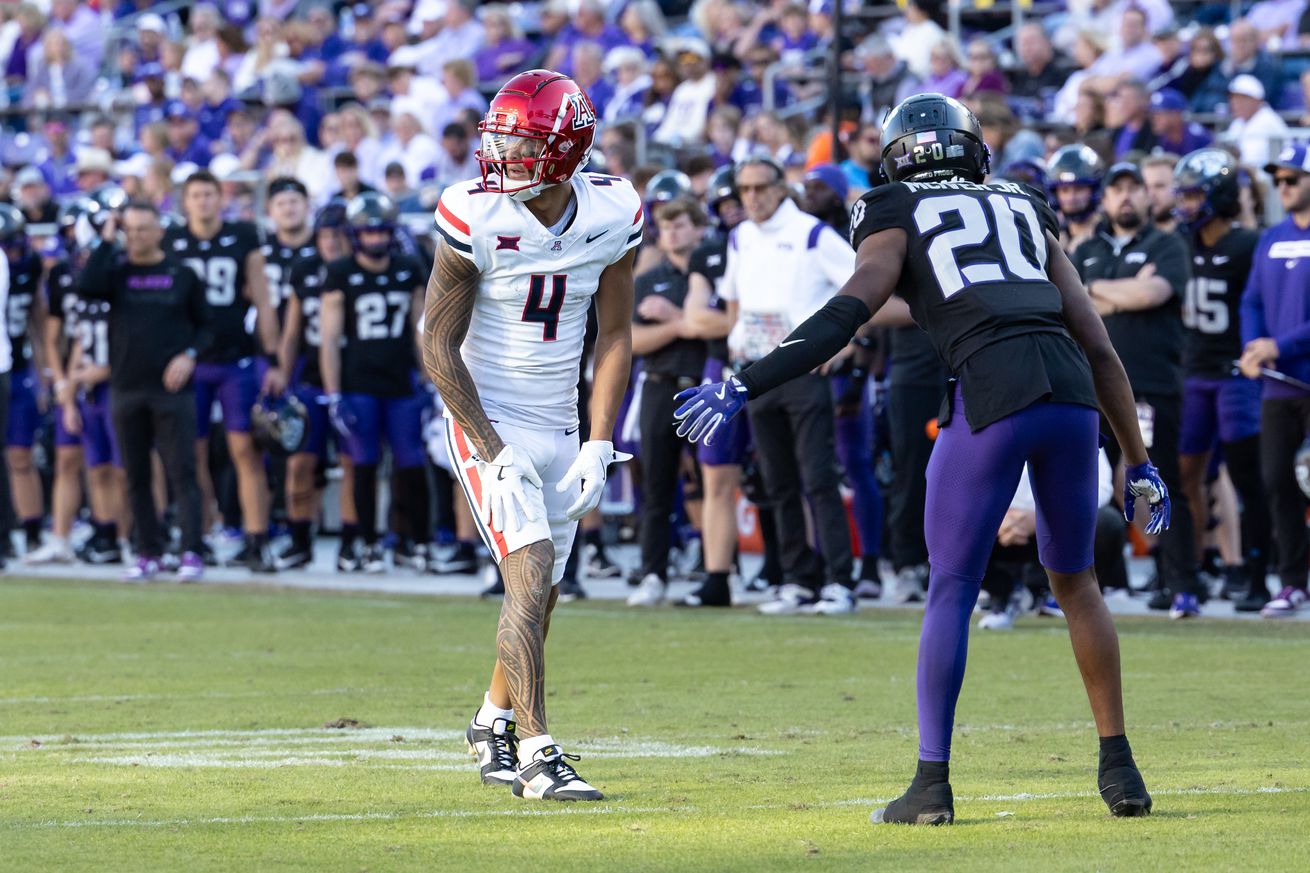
(452,289)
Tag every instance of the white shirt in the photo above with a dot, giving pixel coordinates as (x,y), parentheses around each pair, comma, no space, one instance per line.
(201,59)
(1252,136)
(450,43)
(780,273)
(6,351)
(914,45)
(689,105)
(524,342)
(421,153)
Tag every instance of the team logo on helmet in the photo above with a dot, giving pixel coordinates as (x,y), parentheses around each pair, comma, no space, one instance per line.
(583,114)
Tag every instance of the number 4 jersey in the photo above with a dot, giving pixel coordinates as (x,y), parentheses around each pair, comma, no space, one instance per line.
(524,343)
(975,280)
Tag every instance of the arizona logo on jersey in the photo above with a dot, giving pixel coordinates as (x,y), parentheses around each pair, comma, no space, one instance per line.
(524,343)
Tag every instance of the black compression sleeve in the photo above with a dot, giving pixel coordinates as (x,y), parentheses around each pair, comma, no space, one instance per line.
(821,336)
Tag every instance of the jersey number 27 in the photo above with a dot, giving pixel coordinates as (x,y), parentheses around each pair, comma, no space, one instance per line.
(976,229)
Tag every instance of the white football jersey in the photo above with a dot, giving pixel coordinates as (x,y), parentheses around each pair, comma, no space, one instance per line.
(524,343)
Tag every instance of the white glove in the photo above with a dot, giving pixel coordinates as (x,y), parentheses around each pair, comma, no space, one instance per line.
(590,469)
(505,503)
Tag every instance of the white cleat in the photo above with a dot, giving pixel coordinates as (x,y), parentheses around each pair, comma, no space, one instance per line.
(909,584)
(835,599)
(549,776)
(790,600)
(56,551)
(997,621)
(650,592)
(496,750)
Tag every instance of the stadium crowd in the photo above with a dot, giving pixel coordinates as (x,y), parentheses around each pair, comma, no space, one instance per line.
(1168,136)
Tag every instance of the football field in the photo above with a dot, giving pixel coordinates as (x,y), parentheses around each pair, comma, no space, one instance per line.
(243,728)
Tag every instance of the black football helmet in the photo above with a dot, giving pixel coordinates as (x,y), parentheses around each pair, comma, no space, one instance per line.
(1213,172)
(1031,172)
(667,185)
(13,232)
(1076,165)
(931,136)
(371,211)
(280,424)
(331,217)
(722,187)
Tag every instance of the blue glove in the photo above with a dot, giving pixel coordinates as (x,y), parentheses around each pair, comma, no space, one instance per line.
(706,407)
(1144,481)
(341,415)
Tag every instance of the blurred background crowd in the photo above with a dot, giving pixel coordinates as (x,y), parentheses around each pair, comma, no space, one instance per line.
(386,96)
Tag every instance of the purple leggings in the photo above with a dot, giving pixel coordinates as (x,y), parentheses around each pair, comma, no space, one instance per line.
(971,482)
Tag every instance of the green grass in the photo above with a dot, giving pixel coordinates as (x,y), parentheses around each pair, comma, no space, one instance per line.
(722,741)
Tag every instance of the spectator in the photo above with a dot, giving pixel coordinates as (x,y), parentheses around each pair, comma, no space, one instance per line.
(202,57)
(184,141)
(782,266)
(1088,49)
(154,140)
(93,170)
(329,133)
(643,25)
(1009,141)
(1128,115)
(1246,57)
(588,25)
(1107,14)
(886,80)
(84,28)
(504,51)
(1089,114)
(217,104)
(32,197)
(394,182)
(151,34)
(104,135)
(1137,275)
(1257,130)
(293,156)
(1275,330)
(917,40)
(1135,56)
(684,121)
(945,74)
(154,338)
(267,50)
(459,39)
(984,76)
(672,360)
(346,167)
(359,136)
(232,49)
(1172,133)
(414,149)
(1204,55)
(794,41)
(865,150)
(31,25)
(1040,75)
(368,81)
(1276,19)
(459,82)
(627,67)
(331,46)
(59,79)
(731,88)
(58,161)
(455,161)
(363,45)
(1158,174)
(721,130)
(1173,63)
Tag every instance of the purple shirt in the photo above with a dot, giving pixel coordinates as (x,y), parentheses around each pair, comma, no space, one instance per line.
(86,32)
(951,84)
(1276,302)
(496,62)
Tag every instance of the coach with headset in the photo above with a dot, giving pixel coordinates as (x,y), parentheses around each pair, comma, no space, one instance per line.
(783,265)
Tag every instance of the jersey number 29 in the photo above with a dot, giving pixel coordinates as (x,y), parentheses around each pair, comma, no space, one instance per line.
(974,230)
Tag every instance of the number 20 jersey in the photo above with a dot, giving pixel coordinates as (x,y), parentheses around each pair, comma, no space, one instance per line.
(975,280)
(525,340)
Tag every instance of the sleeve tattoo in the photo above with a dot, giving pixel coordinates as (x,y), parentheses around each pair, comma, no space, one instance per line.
(452,289)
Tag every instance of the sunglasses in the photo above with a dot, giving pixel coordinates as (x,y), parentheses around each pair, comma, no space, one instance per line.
(1289,181)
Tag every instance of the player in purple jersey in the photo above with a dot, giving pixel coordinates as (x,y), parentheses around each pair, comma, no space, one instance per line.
(226,256)
(981,268)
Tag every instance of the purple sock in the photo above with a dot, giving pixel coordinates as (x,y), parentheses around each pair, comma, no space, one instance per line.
(943,648)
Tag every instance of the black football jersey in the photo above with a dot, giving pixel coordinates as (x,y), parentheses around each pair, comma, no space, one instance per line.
(61,303)
(278,261)
(220,262)
(378,357)
(1212,306)
(24,284)
(975,279)
(92,327)
(307,277)
(711,260)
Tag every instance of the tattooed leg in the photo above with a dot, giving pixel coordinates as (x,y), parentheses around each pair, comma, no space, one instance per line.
(498,691)
(522,632)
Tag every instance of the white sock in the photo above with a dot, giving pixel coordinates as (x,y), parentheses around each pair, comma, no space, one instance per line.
(532,745)
(489,712)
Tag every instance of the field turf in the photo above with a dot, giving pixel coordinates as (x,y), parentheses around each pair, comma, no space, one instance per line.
(184,729)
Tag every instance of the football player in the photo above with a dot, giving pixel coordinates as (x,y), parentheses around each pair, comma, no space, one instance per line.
(372,299)
(523,252)
(292,239)
(1073,179)
(226,256)
(299,360)
(24,318)
(983,273)
(1216,403)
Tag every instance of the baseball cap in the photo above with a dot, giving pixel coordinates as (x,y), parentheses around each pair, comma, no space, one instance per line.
(1168,100)
(176,109)
(224,166)
(832,176)
(1123,168)
(1292,157)
(151,22)
(29,175)
(93,159)
(135,167)
(1247,85)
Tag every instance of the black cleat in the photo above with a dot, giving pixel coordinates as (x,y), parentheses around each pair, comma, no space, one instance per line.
(1124,792)
(570,590)
(920,805)
(707,595)
(459,558)
(294,557)
(1161,599)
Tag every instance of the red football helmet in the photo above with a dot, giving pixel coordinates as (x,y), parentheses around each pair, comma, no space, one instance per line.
(537,133)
